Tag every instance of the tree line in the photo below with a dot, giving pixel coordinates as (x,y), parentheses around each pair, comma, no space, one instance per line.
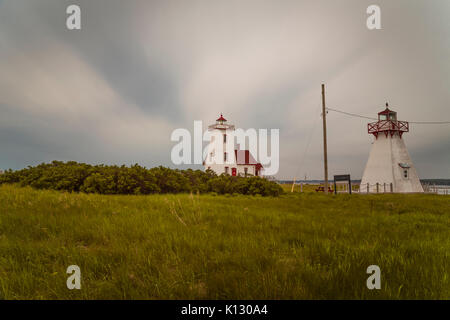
(110,179)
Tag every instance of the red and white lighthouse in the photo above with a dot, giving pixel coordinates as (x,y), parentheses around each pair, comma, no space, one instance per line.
(231,160)
(389,168)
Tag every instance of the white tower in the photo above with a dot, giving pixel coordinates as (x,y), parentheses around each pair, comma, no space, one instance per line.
(219,152)
(389,168)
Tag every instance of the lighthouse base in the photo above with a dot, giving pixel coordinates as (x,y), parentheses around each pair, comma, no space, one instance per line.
(389,168)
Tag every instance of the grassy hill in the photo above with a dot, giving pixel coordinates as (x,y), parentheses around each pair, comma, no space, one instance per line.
(296,246)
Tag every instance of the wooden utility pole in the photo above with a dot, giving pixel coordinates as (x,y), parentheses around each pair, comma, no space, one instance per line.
(325,155)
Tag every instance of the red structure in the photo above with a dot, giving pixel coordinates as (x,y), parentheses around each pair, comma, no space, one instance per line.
(239,163)
(388,124)
(221,119)
(322,189)
(244,158)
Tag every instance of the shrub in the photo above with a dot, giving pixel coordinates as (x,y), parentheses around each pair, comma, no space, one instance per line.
(80,177)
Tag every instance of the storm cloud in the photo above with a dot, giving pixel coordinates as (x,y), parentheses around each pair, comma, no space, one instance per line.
(114,91)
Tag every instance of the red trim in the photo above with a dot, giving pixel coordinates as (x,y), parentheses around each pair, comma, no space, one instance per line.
(221,118)
(248,159)
(388,127)
(386,111)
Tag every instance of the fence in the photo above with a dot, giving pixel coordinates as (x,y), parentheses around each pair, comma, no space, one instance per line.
(388,188)
(442,190)
(376,188)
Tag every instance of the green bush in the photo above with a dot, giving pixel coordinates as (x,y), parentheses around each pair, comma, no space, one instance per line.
(80,177)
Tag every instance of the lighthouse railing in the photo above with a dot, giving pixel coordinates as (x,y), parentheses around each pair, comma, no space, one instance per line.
(388,125)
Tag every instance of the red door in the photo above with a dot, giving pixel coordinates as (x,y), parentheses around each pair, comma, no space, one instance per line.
(233,172)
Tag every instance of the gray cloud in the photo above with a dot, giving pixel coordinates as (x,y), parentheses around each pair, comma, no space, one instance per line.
(115,90)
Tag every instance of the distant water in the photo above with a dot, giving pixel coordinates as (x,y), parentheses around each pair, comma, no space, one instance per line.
(437,182)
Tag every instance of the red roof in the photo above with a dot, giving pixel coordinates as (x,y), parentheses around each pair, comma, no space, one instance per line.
(387,110)
(221,118)
(244,157)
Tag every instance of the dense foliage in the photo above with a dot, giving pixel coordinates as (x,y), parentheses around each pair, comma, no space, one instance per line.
(79,177)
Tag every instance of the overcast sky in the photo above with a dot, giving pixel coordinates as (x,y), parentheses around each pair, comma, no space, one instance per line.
(114,91)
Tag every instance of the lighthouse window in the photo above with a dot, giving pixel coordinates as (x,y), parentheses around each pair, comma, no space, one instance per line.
(405,174)
(224,138)
(224,156)
(383,117)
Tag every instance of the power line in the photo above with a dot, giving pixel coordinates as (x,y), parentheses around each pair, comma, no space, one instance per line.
(308,143)
(430,122)
(370,118)
(351,114)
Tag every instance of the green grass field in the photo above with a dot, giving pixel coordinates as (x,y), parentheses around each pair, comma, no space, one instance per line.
(297,246)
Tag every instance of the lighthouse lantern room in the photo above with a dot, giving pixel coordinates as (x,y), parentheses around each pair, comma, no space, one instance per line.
(388,124)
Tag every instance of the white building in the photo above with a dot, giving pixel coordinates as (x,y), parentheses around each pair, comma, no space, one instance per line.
(389,168)
(231,160)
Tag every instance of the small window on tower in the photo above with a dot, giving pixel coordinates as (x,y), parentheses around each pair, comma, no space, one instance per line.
(405,174)
(383,117)
(224,138)
(224,156)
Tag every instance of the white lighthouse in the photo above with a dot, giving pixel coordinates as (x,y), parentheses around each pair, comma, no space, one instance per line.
(389,168)
(224,158)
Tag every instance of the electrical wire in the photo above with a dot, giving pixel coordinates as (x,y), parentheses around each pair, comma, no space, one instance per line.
(308,143)
(351,114)
(370,118)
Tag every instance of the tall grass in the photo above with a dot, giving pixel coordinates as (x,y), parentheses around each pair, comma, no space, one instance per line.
(297,246)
